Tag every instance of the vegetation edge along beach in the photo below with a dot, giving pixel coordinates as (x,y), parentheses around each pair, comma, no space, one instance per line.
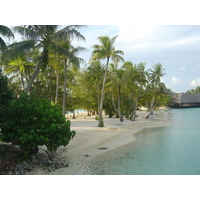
(42,78)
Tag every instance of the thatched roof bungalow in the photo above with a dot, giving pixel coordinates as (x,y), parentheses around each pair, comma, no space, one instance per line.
(186,100)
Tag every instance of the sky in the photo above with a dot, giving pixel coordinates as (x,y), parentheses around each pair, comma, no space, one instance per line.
(176,47)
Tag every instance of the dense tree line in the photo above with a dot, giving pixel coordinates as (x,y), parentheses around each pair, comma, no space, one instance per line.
(46,64)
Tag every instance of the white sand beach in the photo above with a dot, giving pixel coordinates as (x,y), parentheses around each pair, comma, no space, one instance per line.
(91,140)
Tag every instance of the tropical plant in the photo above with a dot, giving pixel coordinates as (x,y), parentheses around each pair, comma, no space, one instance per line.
(31,122)
(43,37)
(95,74)
(68,54)
(5,97)
(196,90)
(155,75)
(105,50)
(116,81)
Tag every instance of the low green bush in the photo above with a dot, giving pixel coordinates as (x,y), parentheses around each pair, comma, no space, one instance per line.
(31,122)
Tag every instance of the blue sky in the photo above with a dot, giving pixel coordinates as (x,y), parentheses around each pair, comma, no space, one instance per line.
(176,47)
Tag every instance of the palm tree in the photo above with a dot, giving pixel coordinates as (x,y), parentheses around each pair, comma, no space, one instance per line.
(105,50)
(68,54)
(95,72)
(155,79)
(131,86)
(43,37)
(19,65)
(141,78)
(196,90)
(6,32)
(116,81)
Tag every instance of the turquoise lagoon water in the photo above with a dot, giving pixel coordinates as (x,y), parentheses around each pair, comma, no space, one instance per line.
(171,150)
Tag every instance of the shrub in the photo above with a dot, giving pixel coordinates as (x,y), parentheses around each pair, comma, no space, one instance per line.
(5,96)
(32,122)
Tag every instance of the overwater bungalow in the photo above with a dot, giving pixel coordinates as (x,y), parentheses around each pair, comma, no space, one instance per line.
(185,100)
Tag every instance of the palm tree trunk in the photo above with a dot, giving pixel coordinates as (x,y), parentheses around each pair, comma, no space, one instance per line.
(119,109)
(101,123)
(65,85)
(22,80)
(35,72)
(151,105)
(57,82)
(98,94)
(135,110)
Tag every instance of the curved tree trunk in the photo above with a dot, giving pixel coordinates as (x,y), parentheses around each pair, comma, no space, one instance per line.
(98,93)
(101,123)
(35,72)
(65,85)
(151,106)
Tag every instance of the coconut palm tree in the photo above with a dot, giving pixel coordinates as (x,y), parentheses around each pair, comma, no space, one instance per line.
(19,65)
(155,75)
(95,72)
(42,37)
(116,81)
(102,51)
(196,90)
(141,78)
(131,86)
(68,54)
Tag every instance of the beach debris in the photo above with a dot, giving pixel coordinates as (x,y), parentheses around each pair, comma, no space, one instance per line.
(103,148)
(12,162)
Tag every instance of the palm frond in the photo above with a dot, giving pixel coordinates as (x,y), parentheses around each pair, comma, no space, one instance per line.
(69,32)
(2,43)
(26,31)
(113,39)
(17,49)
(5,31)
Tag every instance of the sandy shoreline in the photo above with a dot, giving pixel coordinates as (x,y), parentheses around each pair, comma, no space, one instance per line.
(91,140)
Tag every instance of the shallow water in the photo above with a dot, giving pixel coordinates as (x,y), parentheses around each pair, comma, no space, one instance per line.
(171,150)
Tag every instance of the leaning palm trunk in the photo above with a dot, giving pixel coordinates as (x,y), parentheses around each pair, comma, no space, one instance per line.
(151,107)
(101,123)
(98,95)
(36,71)
(22,80)
(65,86)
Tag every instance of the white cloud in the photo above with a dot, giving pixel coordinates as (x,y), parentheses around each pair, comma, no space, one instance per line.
(175,80)
(195,82)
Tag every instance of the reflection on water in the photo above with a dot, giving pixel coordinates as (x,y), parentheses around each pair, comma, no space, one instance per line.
(169,150)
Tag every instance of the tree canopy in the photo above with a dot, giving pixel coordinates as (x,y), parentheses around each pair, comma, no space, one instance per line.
(46,63)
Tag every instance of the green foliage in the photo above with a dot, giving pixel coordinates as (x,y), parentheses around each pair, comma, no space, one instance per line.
(5,97)
(196,90)
(32,122)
